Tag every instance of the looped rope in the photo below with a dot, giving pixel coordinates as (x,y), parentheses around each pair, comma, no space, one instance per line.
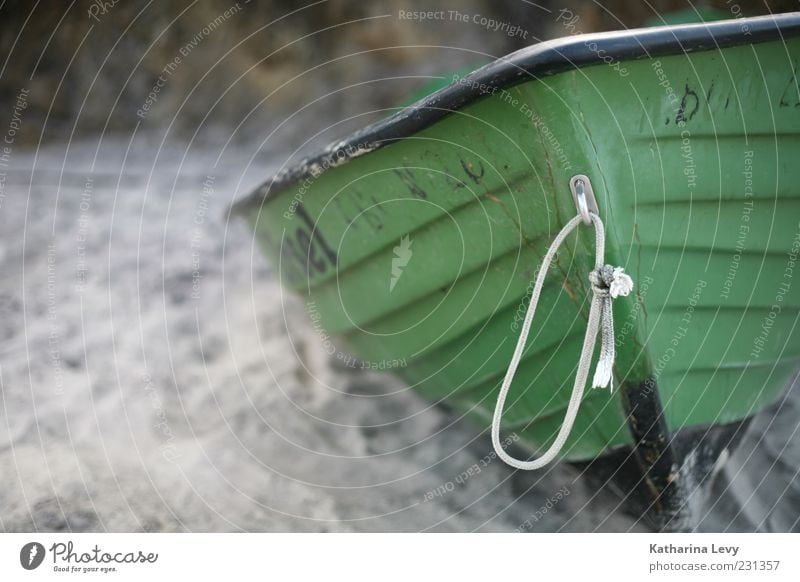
(607,283)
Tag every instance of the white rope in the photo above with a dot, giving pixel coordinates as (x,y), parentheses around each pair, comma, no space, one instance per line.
(607,283)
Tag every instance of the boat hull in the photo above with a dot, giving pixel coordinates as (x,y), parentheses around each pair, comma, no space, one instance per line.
(417,252)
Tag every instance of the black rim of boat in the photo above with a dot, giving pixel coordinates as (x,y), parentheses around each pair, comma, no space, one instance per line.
(537,61)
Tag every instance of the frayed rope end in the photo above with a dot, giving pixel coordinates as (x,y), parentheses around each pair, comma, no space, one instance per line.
(621,283)
(602,373)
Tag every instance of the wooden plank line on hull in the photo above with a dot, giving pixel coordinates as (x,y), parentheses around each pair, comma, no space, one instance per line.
(342,269)
(718,250)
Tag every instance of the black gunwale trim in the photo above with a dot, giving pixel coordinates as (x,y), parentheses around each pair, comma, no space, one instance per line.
(540,60)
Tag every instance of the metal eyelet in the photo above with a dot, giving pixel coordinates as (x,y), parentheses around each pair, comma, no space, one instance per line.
(583,195)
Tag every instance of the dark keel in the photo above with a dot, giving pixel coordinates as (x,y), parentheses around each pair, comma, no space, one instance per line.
(664,477)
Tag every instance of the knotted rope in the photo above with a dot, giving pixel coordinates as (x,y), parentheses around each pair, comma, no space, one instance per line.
(607,283)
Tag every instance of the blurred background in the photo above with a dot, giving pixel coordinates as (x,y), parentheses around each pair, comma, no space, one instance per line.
(153,375)
(91,65)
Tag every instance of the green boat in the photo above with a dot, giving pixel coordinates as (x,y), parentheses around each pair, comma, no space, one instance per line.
(414,243)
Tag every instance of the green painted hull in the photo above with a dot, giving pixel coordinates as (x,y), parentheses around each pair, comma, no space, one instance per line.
(695,161)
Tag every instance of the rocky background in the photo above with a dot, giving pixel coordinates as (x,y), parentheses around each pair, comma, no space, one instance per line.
(90,66)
